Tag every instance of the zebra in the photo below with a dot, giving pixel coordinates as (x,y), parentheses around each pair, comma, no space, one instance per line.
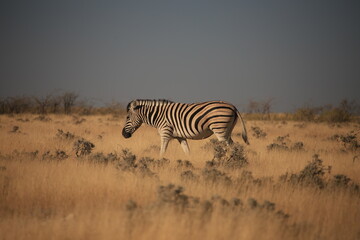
(183,121)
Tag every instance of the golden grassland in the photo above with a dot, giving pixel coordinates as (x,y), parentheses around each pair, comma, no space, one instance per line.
(46,196)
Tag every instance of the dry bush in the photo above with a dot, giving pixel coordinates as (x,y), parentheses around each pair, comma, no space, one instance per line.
(214,176)
(184,164)
(101,158)
(247,180)
(230,157)
(127,162)
(312,174)
(151,162)
(78,120)
(343,182)
(174,196)
(349,141)
(65,135)
(23,120)
(42,118)
(82,147)
(189,176)
(283,143)
(15,129)
(258,132)
(58,155)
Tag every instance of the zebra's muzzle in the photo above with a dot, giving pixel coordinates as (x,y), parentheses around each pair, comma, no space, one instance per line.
(126,134)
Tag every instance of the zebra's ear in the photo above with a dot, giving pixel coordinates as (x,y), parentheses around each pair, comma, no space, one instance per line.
(133,105)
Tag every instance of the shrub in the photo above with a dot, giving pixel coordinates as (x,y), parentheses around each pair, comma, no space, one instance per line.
(144,171)
(344,182)
(127,162)
(341,180)
(65,135)
(313,172)
(154,163)
(83,147)
(23,120)
(282,142)
(78,120)
(311,175)
(15,129)
(349,141)
(172,195)
(215,176)
(59,155)
(42,118)
(231,157)
(102,158)
(184,164)
(258,133)
(188,176)
(276,146)
(298,146)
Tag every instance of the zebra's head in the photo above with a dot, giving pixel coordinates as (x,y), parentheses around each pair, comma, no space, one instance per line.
(133,119)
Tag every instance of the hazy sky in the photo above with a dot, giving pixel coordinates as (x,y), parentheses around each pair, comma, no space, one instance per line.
(293,51)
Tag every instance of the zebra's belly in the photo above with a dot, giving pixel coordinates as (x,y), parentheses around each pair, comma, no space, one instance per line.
(204,134)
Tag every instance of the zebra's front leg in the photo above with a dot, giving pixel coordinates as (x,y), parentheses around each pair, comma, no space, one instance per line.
(166,134)
(184,145)
(164,143)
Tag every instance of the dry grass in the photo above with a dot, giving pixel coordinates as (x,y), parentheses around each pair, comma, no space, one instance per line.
(57,196)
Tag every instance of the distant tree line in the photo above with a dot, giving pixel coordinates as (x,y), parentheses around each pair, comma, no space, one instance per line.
(65,103)
(345,111)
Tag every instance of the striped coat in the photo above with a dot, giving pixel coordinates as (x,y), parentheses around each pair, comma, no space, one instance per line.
(184,121)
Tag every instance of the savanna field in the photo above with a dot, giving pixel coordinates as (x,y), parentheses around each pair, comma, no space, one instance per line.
(76,177)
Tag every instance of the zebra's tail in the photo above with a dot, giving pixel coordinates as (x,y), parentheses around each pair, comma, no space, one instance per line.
(244,133)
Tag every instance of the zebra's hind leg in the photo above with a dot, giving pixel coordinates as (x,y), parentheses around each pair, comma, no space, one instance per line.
(224,138)
(184,145)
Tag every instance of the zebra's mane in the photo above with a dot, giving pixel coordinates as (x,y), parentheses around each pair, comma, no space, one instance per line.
(144,101)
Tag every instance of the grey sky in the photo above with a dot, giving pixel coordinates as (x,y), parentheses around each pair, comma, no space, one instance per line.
(293,51)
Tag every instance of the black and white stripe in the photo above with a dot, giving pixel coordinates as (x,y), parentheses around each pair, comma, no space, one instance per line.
(184,121)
